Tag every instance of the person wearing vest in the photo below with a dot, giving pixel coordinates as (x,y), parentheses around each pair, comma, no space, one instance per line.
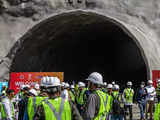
(23,103)
(151,94)
(56,107)
(157,112)
(33,102)
(37,88)
(117,107)
(72,93)
(128,94)
(104,87)
(7,107)
(158,90)
(98,104)
(141,99)
(80,98)
(32,94)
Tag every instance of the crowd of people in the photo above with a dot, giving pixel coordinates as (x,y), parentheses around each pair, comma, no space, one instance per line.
(91,99)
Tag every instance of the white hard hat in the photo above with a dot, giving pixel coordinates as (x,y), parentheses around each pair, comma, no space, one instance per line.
(150,82)
(158,81)
(105,83)
(81,84)
(96,78)
(72,86)
(43,81)
(53,82)
(66,85)
(116,87)
(109,86)
(63,84)
(129,83)
(113,83)
(22,86)
(27,86)
(3,92)
(33,91)
(36,86)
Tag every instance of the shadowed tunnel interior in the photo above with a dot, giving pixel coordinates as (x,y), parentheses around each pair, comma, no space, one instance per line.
(78,43)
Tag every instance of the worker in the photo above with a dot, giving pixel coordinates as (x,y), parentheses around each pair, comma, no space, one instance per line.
(80,98)
(140,98)
(37,88)
(151,94)
(23,102)
(71,93)
(4,89)
(109,93)
(158,90)
(117,105)
(97,106)
(33,102)
(104,87)
(128,94)
(7,106)
(65,92)
(157,112)
(56,107)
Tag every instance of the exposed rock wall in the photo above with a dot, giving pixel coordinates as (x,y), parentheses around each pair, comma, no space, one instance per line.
(140,17)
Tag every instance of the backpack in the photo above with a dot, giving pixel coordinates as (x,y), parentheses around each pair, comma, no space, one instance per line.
(116,109)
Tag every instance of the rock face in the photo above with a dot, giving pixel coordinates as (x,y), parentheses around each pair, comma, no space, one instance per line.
(140,17)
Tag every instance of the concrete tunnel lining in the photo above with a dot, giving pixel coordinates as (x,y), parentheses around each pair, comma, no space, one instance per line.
(78,43)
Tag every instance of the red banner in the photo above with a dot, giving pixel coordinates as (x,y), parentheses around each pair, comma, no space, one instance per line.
(155,76)
(31,78)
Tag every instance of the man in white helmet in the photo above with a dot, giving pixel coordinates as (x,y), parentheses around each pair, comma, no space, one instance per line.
(65,93)
(80,98)
(48,108)
(23,102)
(35,100)
(98,103)
(128,94)
(151,94)
(117,106)
(72,93)
(7,107)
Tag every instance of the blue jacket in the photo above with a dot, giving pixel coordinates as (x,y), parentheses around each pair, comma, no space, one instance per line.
(141,94)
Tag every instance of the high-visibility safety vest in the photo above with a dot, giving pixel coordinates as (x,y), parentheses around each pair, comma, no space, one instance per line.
(105,107)
(72,97)
(4,113)
(157,112)
(33,102)
(129,95)
(80,97)
(57,109)
(158,90)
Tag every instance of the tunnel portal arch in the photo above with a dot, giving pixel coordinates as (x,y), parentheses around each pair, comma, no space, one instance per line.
(78,43)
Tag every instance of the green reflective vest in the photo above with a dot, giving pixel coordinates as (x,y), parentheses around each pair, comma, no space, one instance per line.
(80,97)
(157,112)
(33,102)
(64,109)
(117,96)
(3,113)
(72,97)
(129,95)
(105,105)
(158,90)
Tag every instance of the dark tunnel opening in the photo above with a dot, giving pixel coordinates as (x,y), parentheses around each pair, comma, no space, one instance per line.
(79,43)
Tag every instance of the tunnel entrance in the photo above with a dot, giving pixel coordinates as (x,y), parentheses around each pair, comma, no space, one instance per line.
(78,43)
